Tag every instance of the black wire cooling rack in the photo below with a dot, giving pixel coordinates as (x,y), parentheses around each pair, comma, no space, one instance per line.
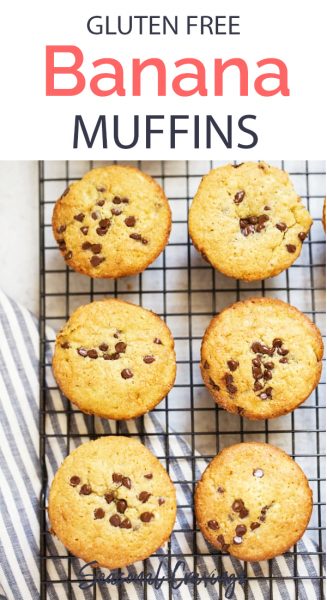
(186,292)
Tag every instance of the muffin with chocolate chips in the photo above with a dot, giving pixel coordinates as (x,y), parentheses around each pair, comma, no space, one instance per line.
(248,222)
(253,501)
(261,358)
(114,222)
(111,501)
(114,359)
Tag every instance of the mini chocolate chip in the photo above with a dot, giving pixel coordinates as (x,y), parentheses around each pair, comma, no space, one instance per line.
(86,245)
(148,359)
(237,540)
(291,248)
(281,226)
(125,200)
(214,384)
(148,476)
(221,540)
(144,496)
(85,490)
(262,518)
(92,353)
(243,513)
(302,235)
(115,520)
(282,351)
(126,524)
(257,386)
(240,530)
(229,379)
(82,351)
(259,227)
(95,215)
(69,255)
(103,347)
(161,501)
(100,203)
(113,356)
(74,480)
(144,241)
(99,513)
(232,389)
(121,506)
(233,364)
(256,347)
(283,360)
(135,236)
(267,208)
(96,260)
(117,477)
(116,200)
(61,229)
(277,343)
(120,347)
(116,211)
(109,497)
(267,374)
(80,217)
(256,361)
(269,391)
(214,525)
(220,490)
(84,230)
(239,197)
(206,365)
(127,483)
(157,341)
(254,525)
(96,248)
(130,221)
(146,517)
(65,345)
(263,219)
(237,505)
(256,372)
(243,223)
(101,188)
(258,473)
(126,374)
(62,244)
(253,220)
(104,223)
(269,365)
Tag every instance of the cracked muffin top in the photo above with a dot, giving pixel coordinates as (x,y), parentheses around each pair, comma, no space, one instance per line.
(112,501)
(248,221)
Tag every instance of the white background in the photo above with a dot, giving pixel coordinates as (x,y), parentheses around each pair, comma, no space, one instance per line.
(33,126)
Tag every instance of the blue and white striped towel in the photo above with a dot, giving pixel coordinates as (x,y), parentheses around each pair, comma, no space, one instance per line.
(20,490)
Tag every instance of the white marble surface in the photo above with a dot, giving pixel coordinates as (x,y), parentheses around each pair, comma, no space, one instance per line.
(19,239)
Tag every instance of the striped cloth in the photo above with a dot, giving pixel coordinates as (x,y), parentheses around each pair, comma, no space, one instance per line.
(20,490)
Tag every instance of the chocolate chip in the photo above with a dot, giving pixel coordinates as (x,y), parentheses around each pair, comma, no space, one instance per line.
(228,379)
(221,540)
(267,208)
(74,480)
(256,347)
(121,506)
(126,524)
(237,505)
(101,188)
(253,220)
(258,473)
(263,219)
(86,245)
(144,241)
(109,497)
(116,200)
(262,518)
(232,389)
(125,200)
(92,353)
(104,223)
(96,248)
(96,260)
(100,202)
(259,227)
(239,197)
(240,530)
(99,513)
(120,347)
(220,490)
(281,226)
(206,365)
(257,386)
(95,215)
(69,255)
(291,248)
(233,364)
(267,374)
(115,520)
(117,478)
(148,359)
(259,348)
(130,221)
(116,211)
(214,525)
(254,525)
(144,496)
(282,351)
(79,217)
(157,341)
(65,345)
(283,360)
(135,236)
(84,230)
(257,373)
(148,476)
(243,513)
(126,374)
(113,356)
(269,391)
(61,229)
(82,351)
(146,517)
(237,166)
(103,347)
(269,365)
(62,244)
(127,483)
(101,230)
(302,235)
(85,490)
(237,540)
(277,343)
(256,361)
(243,223)
(161,501)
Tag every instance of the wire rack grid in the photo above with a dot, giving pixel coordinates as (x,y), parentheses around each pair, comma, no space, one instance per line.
(186,292)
